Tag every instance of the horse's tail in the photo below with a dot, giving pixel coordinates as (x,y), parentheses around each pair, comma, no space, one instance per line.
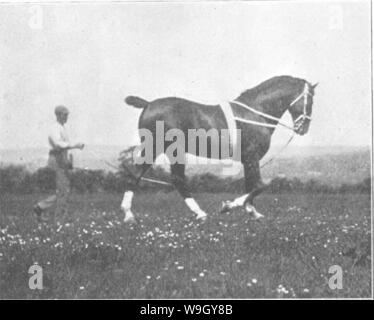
(137,102)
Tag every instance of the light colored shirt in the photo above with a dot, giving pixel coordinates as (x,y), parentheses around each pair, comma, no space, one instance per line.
(58,138)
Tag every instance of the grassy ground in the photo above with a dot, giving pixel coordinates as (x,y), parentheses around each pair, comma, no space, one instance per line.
(169,255)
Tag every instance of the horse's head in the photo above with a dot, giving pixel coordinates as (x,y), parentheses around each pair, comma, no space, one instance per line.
(301,109)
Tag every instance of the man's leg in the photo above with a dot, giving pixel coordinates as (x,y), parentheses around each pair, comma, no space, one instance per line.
(62,192)
(43,205)
(47,202)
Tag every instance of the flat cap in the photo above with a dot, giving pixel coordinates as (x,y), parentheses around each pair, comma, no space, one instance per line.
(61,110)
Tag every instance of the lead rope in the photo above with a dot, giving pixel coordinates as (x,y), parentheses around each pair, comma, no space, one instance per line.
(169,184)
(128,170)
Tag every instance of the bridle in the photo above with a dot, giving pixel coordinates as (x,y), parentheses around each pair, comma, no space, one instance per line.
(304,116)
(298,123)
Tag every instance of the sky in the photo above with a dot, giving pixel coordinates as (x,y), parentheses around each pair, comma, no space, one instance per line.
(89,57)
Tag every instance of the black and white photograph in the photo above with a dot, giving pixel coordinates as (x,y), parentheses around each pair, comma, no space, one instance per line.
(175,150)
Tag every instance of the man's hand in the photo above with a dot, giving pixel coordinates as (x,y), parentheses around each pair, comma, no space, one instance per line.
(78,145)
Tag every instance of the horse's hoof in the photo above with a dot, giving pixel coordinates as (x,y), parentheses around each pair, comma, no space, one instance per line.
(225,206)
(257,216)
(129,220)
(202,217)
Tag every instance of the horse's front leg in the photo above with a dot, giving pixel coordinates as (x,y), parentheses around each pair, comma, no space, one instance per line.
(179,180)
(253,187)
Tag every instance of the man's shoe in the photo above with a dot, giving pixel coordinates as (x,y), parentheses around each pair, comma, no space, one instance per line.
(38,212)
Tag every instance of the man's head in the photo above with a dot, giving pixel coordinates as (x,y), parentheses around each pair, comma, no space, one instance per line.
(62,114)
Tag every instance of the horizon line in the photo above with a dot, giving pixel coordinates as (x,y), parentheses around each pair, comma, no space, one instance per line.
(274,145)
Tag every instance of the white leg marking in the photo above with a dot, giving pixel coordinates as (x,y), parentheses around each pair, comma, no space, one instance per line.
(194,207)
(126,205)
(253,212)
(228,205)
(239,202)
(127,200)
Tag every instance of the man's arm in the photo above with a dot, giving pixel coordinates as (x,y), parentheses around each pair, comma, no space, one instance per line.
(58,143)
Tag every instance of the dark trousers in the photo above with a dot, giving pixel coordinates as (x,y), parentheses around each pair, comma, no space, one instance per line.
(61,197)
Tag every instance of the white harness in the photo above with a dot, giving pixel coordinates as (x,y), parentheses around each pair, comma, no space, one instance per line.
(231,119)
(231,124)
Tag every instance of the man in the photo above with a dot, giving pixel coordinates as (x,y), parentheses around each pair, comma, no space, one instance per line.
(61,162)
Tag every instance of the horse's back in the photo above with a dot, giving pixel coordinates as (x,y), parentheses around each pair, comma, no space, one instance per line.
(177,113)
(178,105)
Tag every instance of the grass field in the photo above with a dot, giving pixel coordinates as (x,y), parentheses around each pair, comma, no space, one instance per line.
(169,255)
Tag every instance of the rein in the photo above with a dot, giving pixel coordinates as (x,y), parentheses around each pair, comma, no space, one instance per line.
(279,152)
(128,170)
(135,177)
(262,114)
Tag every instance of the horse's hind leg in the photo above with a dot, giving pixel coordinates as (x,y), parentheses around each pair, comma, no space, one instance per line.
(129,193)
(179,180)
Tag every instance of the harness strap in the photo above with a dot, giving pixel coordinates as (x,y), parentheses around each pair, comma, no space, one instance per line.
(231,124)
(302,117)
(303,94)
(265,115)
(257,123)
(262,114)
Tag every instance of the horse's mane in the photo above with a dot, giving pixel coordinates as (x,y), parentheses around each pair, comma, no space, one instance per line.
(278,81)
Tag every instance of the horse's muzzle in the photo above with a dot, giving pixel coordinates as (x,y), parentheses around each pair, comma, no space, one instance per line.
(301,127)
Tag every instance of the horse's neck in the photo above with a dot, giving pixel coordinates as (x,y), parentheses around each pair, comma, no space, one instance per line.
(275,103)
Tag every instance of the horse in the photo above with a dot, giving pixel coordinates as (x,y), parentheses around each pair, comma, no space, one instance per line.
(257,113)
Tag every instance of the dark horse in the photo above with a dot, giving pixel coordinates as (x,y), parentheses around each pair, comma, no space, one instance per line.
(270,100)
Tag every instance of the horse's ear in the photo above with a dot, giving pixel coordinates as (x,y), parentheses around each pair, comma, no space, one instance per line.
(314,85)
